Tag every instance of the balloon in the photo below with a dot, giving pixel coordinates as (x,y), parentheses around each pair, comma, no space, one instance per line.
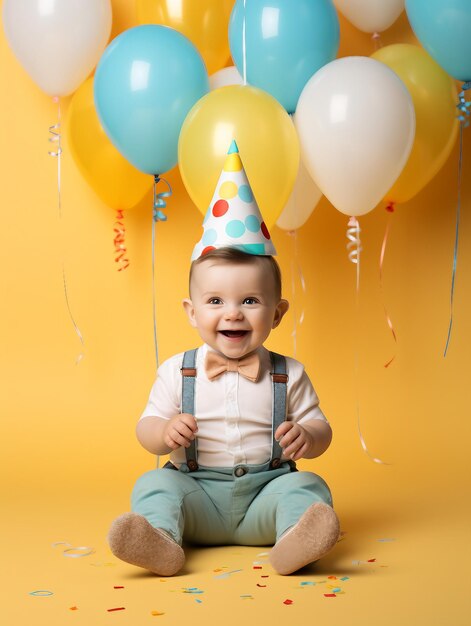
(58,42)
(227,76)
(147,80)
(301,203)
(434,95)
(443,27)
(204,22)
(286,42)
(371,16)
(267,142)
(355,121)
(111,176)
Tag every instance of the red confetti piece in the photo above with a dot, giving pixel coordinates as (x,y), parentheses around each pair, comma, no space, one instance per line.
(330,595)
(118,587)
(259,585)
(332,577)
(119,608)
(287,601)
(73,608)
(265,576)
(257,567)
(371,560)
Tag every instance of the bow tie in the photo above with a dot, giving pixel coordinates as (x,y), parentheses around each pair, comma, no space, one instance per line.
(248,366)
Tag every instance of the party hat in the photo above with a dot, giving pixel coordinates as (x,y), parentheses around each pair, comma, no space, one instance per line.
(233,218)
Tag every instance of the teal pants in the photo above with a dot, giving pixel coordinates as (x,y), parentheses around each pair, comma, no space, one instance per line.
(217,507)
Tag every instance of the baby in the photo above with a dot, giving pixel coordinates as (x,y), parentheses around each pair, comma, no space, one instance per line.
(234,418)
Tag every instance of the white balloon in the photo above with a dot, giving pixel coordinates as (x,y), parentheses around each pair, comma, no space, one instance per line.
(371,16)
(301,203)
(58,42)
(356,125)
(227,76)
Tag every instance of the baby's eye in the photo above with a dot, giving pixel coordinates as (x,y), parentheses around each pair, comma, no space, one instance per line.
(250,301)
(215,301)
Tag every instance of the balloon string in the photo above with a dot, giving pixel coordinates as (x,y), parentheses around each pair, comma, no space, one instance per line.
(463,106)
(244,48)
(354,249)
(119,241)
(390,209)
(296,269)
(157,216)
(56,152)
(376,37)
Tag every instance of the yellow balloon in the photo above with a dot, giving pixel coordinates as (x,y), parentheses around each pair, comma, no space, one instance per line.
(118,183)
(434,95)
(204,22)
(267,141)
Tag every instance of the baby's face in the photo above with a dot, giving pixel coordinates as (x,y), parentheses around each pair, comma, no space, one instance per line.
(234,307)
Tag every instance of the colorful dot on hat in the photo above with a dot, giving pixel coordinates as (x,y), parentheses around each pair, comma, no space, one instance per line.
(209,237)
(235,228)
(252,223)
(265,232)
(254,248)
(233,163)
(228,190)
(207,249)
(220,208)
(245,193)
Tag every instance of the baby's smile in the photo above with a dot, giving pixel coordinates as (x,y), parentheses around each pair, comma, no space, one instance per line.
(234,333)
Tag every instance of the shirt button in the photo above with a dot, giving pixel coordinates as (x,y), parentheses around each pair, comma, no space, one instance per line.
(240,471)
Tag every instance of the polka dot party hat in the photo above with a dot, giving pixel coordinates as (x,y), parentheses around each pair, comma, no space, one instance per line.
(233,218)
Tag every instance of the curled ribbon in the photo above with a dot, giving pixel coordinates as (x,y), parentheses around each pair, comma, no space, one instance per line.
(463,106)
(390,210)
(296,268)
(72,551)
(376,37)
(119,241)
(354,249)
(55,139)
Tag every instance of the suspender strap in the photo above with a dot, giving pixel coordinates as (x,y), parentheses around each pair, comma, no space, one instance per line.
(280,379)
(188,370)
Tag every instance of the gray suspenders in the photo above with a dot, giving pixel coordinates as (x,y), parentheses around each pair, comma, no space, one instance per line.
(279,408)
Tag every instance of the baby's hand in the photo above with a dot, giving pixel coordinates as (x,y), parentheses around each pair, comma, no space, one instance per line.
(180,431)
(294,440)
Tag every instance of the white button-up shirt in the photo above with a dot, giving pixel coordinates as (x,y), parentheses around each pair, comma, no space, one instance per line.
(234,415)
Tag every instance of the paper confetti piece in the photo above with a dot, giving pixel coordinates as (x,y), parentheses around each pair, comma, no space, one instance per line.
(307,582)
(329,595)
(336,590)
(118,587)
(246,596)
(345,578)
(192,590)
(332,577)
(118,608)
(41,593)
(72,551)
(287,601)
(371,560)
(198,600)
(257,567)
(73,608)
(259,585)
(263,554)
(156,613)
(227,574)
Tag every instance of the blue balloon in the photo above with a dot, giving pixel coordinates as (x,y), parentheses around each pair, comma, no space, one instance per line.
(146,82)
(286,43)
(443,27)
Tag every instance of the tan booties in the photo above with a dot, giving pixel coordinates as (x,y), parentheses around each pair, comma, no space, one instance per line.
(316,532)
(134,540)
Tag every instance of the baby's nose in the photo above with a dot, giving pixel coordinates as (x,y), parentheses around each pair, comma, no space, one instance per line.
(234,313)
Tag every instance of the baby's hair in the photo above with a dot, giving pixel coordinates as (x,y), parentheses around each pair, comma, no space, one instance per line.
(238,257)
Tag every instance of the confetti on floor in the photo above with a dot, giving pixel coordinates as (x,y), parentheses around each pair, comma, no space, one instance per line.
(259,585)
(118,608)
(73,608)
(118,587)
(41,593)
(227,574)
(330,595)
(192,590)
(246,596)
(287,601)
(345,578)
(156,613)
(305,583)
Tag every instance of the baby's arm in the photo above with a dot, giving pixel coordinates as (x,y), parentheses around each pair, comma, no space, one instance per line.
(161,436)
(304,442)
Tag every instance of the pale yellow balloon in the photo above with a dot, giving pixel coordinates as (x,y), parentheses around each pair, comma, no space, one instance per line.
(204,22)
(434,95)
(118,183)
(266,137)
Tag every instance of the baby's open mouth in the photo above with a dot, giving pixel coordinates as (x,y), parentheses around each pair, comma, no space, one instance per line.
(234,333)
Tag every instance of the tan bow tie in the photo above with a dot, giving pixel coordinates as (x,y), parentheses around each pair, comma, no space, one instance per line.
(248,366)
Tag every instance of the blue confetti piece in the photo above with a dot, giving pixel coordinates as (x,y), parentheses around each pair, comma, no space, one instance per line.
(307,582)
(345,578)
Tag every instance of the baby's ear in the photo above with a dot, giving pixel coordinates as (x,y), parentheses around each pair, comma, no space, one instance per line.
(281,309)
(190,311)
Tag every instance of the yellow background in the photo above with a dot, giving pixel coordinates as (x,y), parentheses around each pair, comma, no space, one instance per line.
(69,456)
